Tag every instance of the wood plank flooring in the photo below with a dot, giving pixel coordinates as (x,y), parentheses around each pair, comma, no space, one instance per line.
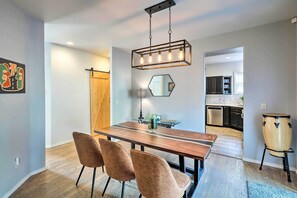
(229,141)
(224,177)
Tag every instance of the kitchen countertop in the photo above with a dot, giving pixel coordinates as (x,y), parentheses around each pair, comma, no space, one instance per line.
(228,105)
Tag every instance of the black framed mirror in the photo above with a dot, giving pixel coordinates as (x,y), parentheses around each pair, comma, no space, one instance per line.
(161,85)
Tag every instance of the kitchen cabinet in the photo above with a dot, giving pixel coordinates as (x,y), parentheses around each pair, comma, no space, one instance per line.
(218,85)
(226,117)
(230,117)
(236,120)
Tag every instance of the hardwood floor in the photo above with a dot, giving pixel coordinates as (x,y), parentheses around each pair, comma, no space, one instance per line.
(223,177)
(229,141)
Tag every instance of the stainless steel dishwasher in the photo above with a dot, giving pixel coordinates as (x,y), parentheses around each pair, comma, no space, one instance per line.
(215,115)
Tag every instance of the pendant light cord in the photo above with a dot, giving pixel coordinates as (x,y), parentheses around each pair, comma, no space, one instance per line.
(150,33)
(169,31)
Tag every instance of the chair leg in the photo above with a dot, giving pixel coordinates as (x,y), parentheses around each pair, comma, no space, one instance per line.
(79,175)
(123,189)
(93,182)
(106,186)
(140,196)
(103,168)
(263,158)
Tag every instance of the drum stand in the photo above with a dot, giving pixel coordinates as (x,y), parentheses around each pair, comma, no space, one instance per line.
(285,160)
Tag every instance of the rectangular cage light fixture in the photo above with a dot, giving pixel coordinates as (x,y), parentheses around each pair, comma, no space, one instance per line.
(173,54)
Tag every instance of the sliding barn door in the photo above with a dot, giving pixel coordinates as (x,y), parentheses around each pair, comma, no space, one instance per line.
(100,100)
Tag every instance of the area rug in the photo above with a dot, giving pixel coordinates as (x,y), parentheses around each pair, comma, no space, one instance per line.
(257,190)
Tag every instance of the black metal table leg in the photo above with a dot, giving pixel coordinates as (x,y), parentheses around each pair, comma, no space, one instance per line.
(263,158)
(201,164)
(108,138)
(196,171)
(142,148)
(287,167)
(182,167)
(196,178)
(132,146)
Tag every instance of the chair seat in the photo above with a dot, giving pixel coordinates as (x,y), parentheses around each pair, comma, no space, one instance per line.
(182,180)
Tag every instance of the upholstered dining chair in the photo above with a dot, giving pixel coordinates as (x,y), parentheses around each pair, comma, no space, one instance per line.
(117,162)
(89,154)
(155,179)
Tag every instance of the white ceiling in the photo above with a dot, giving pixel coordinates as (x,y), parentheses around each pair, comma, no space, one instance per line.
(224,58)
(96,25)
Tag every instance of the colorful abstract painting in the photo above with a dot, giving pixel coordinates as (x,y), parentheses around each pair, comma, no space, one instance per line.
(12,77)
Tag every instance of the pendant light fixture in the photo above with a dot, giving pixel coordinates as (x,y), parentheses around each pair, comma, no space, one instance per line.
(171,54)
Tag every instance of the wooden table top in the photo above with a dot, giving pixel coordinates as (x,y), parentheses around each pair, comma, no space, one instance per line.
(186,143)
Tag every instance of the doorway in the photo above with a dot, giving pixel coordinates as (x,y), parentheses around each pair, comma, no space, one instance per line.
(225,100)
(100,101)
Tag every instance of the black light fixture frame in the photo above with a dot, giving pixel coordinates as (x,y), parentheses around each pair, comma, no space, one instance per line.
(182,45)
(160,6)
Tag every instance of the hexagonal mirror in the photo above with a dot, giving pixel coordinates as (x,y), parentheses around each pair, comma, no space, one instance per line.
(161,85)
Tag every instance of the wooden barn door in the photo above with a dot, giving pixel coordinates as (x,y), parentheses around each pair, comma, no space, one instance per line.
(100,100)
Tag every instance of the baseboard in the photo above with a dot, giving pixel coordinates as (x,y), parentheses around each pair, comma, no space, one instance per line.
(59,144)
(9,193)
(268,164)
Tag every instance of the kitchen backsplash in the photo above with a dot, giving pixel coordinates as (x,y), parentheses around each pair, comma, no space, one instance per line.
(224,99)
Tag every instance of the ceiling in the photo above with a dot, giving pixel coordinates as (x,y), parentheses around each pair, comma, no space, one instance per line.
(97,25)
(224,58)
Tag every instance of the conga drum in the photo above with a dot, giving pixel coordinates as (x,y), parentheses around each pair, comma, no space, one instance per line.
(277,132)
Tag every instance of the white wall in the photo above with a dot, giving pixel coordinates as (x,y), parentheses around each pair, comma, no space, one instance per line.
(22,115)
(121,103)
(269,74)
(68,91)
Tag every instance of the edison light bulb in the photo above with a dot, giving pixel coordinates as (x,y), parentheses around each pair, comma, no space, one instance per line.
(181,54)
(150,60)
(169,55)
(159,57)
(141,60)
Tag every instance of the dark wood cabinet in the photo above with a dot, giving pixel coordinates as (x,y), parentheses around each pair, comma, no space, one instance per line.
(236,120)
(218,85)
(226,118)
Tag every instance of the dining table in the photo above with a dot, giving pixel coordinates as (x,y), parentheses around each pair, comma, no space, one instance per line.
(185,144)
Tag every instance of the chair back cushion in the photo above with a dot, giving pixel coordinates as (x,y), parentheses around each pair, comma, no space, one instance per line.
(154,177)
(88,150)
(117,161)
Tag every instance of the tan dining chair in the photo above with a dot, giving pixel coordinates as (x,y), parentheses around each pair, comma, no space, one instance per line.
(89,154)
(117,162)
(155,179)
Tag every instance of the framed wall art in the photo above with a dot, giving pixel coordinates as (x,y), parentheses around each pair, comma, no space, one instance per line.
(12,77)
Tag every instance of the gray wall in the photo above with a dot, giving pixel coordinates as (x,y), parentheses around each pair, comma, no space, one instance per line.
(22,115)
(68,92)
(120,68)
(269,74)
